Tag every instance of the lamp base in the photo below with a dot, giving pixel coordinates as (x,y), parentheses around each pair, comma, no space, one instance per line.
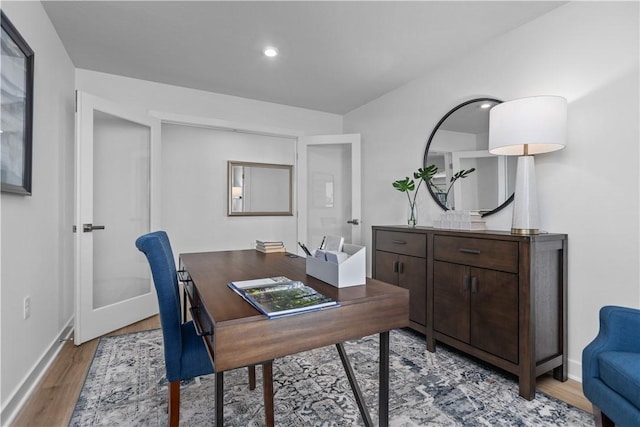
(525,231)
(525,199)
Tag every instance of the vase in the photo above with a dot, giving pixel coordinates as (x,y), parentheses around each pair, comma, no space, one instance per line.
(412,215)
(442,198)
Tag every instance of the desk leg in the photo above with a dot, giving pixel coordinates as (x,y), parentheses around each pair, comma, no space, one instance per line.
(219,399)
(384,380)
(267,384)
(354,385)
(184,304)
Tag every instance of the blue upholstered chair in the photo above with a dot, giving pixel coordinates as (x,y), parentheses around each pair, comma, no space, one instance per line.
(185,354)
(611,368)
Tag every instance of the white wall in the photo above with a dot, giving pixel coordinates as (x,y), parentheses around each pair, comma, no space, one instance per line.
(585,51)
(36,235)
(194,189)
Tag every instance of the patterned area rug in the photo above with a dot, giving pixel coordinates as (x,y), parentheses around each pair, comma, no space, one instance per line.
(126,386)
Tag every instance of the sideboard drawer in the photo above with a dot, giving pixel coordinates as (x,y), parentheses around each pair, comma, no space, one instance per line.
(484,253)
(412,244)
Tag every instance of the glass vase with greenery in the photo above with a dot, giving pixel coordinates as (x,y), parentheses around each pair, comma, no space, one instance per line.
(408,185)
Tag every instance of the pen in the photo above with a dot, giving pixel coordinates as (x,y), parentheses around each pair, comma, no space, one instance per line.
(304,248)
(322,243)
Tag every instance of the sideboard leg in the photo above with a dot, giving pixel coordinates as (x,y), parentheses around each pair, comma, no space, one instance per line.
(527,387)
(560,373)
(431,345)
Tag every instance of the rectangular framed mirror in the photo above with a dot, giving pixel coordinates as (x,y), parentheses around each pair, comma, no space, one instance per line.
(259,189)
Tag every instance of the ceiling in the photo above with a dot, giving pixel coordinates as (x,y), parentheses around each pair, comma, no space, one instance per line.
(334,56)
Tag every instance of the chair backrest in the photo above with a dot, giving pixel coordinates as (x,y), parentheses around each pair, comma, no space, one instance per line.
(158,251)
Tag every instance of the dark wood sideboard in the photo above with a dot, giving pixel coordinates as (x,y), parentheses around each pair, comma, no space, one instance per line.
(494,295)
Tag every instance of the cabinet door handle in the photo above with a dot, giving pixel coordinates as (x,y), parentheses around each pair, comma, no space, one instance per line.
(399,242)
(465,283)
(470,251)
(401,267)
(395,266)
(474,284)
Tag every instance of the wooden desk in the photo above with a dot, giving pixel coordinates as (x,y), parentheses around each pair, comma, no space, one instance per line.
(238,335)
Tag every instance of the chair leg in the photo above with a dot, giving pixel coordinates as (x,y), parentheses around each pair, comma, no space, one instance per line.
(174,403)
(601,418)
(267,383)
(252,377)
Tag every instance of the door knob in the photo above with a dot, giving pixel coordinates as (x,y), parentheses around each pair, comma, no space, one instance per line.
(87,228)
(354,221)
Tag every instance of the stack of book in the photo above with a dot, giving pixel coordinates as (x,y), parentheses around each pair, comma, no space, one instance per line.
(473,221)
(269,247)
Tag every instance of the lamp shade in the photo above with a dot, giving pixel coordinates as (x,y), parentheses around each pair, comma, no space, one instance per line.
(531,125)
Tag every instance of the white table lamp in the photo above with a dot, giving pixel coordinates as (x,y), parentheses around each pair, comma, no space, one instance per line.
(524,127)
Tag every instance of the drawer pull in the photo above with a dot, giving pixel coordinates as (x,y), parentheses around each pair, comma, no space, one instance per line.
(474,284)
(399,242)
(470,251)
(196,323)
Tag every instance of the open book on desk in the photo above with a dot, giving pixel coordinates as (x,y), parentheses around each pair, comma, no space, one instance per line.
(279,296)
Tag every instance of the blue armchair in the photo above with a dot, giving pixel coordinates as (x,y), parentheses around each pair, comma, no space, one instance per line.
(185,354)
(611,368)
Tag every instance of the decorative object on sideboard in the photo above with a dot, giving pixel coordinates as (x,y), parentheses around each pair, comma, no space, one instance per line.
(408,185)
(427,175)
(17,110)
(460,141)
(461,220)
(524,127)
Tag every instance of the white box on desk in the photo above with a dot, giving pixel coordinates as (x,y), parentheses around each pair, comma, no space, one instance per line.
(350,272)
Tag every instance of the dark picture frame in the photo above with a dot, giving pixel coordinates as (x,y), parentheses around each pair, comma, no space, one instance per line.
(16,117)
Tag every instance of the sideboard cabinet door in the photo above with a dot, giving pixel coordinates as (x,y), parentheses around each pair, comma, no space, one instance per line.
(400,259)
(450,290)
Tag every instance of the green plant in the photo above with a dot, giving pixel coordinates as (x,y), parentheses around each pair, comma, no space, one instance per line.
(459,175)
(408,185)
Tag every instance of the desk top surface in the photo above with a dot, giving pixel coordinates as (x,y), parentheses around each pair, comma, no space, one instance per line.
(212,271)
(242,335)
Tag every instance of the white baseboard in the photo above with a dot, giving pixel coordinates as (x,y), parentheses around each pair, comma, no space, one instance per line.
(22,393)
(575,370)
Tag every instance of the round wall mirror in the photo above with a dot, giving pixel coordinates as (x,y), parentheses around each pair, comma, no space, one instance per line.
(468,177)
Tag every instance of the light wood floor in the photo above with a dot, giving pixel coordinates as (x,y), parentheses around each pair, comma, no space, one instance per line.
(54,399)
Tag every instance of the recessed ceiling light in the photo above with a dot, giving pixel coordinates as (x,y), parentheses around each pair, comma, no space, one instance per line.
(486,105)
(270,51)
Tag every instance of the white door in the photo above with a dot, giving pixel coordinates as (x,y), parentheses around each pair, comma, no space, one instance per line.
(329,188)
(116,156)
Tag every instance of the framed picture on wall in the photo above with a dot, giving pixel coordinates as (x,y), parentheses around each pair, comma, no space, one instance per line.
(16,117)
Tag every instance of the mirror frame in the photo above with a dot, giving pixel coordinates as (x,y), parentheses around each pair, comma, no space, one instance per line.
(231,164)
(426,152)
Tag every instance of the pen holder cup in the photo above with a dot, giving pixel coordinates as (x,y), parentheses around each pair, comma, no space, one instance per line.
(350,272)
